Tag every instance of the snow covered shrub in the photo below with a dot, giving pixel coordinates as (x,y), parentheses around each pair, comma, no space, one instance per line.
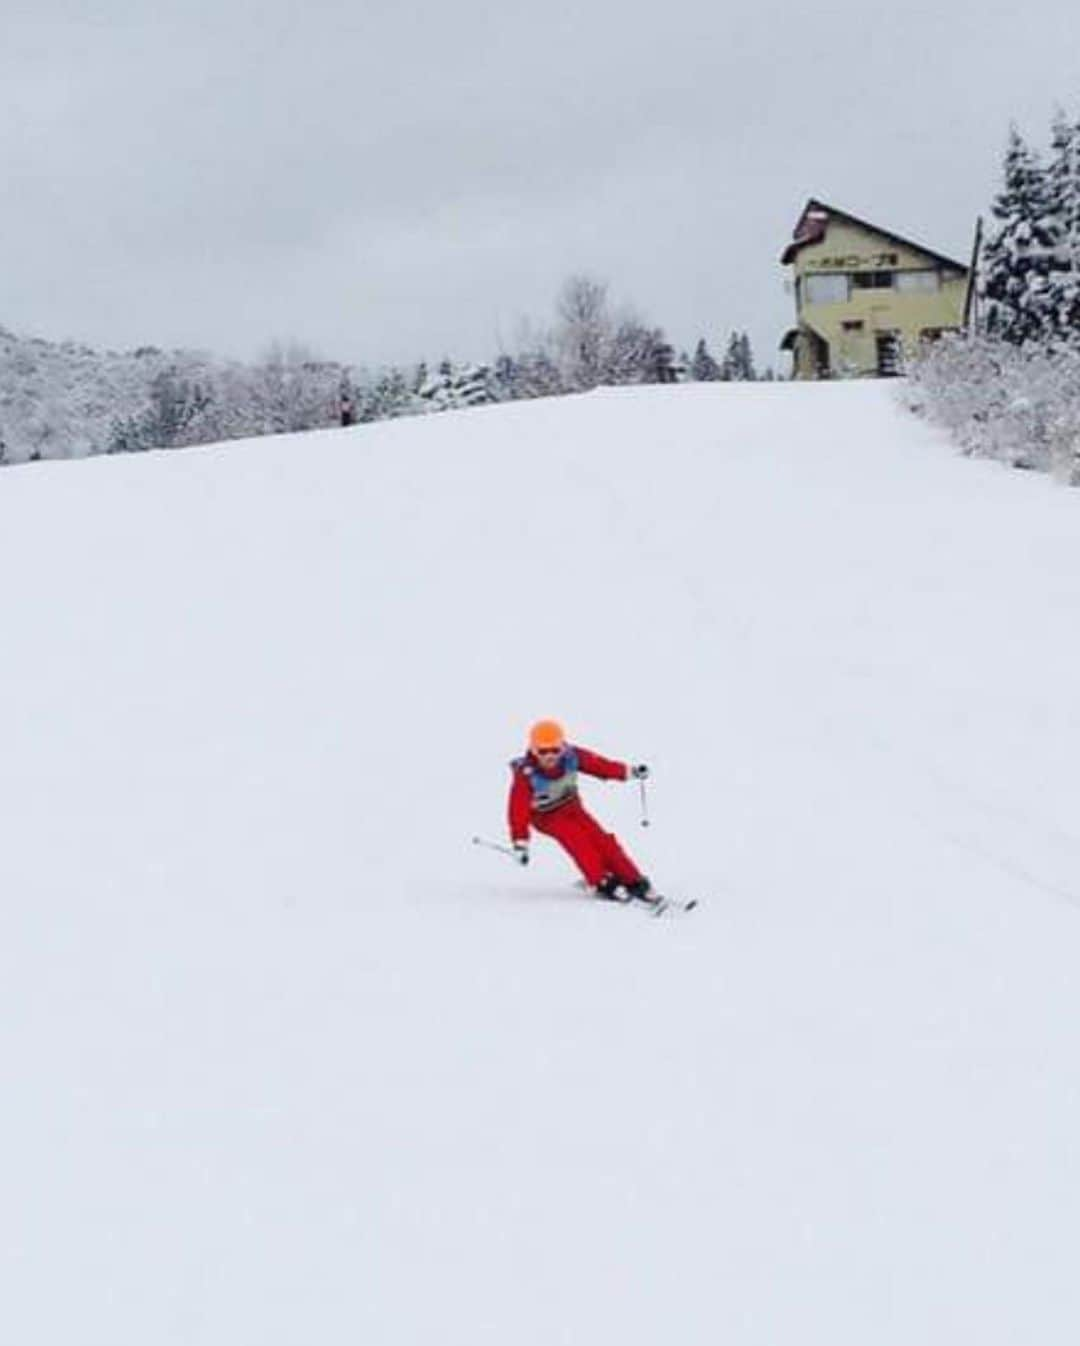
(1017,404)
(63,400)
(452,387)
(388,396)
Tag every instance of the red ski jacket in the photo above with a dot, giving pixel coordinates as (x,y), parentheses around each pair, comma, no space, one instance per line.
(535,789)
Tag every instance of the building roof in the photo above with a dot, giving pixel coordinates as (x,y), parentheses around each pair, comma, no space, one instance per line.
(814,221)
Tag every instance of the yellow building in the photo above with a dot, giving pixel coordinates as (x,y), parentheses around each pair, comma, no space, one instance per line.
(865,297)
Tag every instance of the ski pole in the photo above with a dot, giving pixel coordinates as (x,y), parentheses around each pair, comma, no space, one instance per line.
(644,804)
(494,846)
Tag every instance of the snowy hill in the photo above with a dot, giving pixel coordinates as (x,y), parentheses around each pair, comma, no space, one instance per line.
(288,1062)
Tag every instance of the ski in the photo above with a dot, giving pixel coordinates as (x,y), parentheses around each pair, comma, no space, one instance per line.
(656,904)
(660,905)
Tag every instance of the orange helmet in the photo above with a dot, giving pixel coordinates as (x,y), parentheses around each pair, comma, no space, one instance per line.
(546,734)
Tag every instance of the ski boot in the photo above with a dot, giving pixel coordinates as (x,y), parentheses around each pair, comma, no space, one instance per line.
(642,889)
(608,888)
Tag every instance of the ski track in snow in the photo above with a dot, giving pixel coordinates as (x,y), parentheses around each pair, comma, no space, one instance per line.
(288,1060)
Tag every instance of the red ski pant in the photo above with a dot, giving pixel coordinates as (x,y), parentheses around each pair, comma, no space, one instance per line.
(594,851)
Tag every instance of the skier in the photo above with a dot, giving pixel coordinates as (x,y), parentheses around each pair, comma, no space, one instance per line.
(544,795)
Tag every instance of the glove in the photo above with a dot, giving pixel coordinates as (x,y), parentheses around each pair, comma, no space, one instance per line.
(640,772)
(521,852)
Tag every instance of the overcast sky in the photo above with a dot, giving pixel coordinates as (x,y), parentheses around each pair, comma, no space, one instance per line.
(385,182)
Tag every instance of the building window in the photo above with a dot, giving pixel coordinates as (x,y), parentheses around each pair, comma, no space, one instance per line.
(826,289)
(853,325)
(873,280)
(918,282)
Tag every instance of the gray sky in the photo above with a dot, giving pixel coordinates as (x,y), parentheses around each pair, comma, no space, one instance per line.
(387,184)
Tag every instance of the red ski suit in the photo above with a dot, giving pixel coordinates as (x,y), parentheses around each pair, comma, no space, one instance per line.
(547,799)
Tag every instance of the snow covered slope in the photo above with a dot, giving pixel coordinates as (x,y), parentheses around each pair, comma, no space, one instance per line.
(288,1062)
